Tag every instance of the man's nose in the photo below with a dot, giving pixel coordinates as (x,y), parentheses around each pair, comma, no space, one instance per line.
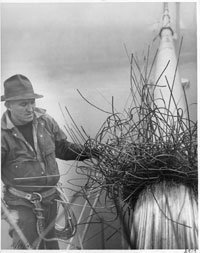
(30,108)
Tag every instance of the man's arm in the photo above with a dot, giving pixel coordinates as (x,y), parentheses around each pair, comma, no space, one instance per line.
(66,150)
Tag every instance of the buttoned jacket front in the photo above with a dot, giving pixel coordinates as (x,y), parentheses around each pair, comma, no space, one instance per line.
(32,169)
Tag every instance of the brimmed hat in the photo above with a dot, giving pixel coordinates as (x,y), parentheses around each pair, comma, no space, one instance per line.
(18,87)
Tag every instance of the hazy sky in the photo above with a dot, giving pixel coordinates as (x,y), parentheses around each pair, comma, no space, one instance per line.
(65,46)
(79,35)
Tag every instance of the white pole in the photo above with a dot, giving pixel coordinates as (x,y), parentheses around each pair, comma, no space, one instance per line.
(167,57)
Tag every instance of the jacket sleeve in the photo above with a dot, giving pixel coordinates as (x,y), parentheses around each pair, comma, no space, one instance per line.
(64,149)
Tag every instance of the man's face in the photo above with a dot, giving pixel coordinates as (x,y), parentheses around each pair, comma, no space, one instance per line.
(22,111)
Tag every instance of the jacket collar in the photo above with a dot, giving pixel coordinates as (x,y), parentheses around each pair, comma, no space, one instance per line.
(39,112)
(6,122)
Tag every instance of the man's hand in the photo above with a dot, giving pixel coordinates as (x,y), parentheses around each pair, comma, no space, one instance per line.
(95,152)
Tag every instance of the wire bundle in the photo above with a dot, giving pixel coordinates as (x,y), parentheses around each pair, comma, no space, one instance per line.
(150,147)
(135,156)
(146,143)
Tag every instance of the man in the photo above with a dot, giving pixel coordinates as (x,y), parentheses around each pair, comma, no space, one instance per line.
(30,143)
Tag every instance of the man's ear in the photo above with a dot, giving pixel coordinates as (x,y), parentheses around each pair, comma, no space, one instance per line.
(7,105)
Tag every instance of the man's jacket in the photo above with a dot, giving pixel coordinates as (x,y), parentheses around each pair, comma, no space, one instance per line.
(24,167)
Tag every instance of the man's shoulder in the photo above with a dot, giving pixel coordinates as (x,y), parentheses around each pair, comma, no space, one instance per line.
(6,123)
(3,119)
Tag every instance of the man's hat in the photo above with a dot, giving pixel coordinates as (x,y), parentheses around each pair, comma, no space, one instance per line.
(18,87)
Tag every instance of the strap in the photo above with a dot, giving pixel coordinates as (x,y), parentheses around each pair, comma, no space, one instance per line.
(61,233)
(40,224)
(32,196)
(70,228)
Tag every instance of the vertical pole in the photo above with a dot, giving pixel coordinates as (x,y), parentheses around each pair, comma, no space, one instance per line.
(167,57)
(165,216)
(177,24)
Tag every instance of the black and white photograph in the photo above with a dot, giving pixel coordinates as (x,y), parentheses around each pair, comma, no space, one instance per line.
(99,125)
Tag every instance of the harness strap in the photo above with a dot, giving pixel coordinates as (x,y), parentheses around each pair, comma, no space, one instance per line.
(35,198)
(40,225)
(31,196)
(61,233)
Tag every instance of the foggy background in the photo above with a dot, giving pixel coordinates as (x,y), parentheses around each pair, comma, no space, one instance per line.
(62,47)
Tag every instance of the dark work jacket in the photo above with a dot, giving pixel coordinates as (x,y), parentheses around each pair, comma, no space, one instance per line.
(28,169)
